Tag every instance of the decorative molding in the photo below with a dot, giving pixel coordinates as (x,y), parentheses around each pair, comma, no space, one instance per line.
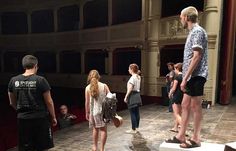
(211,9)
(153,43)
(171,28)
(212,40)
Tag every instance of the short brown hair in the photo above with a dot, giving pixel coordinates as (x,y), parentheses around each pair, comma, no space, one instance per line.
(29,61)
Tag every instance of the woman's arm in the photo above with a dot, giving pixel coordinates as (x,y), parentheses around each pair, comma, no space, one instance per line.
(129,89)
(173,88)
(87,105)
(107,89)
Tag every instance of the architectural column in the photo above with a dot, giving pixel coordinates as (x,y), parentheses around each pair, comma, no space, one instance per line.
(150,50)
(81,15)
(58,62)
(82,62)
(211,21)
(2,61)
(55,19)
(110,61)
(29,22)
(0,23)
(109,12)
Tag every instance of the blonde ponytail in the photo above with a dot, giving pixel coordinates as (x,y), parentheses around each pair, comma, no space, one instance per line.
(93,79)
(94,87)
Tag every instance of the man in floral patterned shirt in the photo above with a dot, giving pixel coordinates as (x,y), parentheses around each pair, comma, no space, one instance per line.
(195,72)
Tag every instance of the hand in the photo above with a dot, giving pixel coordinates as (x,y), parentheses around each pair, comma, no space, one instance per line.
(183,85)
(170,95)
(72,117)
(54,122)
(125,100)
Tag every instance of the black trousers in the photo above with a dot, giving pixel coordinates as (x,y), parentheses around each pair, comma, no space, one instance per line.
(34,134)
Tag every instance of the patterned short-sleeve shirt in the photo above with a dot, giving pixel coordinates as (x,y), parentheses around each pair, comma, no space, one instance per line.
(197,38)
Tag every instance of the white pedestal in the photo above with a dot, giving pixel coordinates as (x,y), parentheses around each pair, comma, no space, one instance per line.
(204,147)
(230,146)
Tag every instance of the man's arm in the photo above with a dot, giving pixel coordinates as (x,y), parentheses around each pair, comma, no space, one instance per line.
(12,99)
(50,105)
(197,55)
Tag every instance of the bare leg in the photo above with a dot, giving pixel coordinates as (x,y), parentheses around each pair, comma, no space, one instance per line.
(197,117)
(95,138)
(177,113)
(185,117)
(103,131)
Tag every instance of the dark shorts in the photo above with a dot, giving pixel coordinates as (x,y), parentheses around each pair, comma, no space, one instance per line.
(195,86)
(34,134)
(177,99)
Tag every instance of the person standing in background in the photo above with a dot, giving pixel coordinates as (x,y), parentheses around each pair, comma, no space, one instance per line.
(30,95)
(95,93)
(176,96)
(133,98)
(169,82)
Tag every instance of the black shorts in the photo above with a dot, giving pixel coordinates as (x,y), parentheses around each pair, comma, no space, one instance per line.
(177,99)
(34,134)
(195,86)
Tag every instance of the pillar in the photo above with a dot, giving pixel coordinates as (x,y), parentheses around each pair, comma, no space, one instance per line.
(2,61)
(55,19)
(110,61)
(211,22)
(58,62)
(29,22)
(150,50)
(83,62)
(81,15)
(109,12)
(0,23)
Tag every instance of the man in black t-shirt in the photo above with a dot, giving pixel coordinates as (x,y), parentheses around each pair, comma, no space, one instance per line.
(30,95)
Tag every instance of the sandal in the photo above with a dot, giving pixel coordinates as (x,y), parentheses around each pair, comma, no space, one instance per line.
(173,140)
(175,131)
(190,144)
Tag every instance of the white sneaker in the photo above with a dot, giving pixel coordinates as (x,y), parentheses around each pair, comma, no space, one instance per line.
(137,129)
(131,131)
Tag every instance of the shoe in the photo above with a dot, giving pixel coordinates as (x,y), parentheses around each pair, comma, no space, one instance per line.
(190,144)
(173,130)
(137,129)
(174,140)
(131,131)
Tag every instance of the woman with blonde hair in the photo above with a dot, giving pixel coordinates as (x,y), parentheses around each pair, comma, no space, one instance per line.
(133,98)
(95,93)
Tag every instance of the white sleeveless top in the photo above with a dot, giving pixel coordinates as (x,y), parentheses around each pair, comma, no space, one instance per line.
(96,104)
